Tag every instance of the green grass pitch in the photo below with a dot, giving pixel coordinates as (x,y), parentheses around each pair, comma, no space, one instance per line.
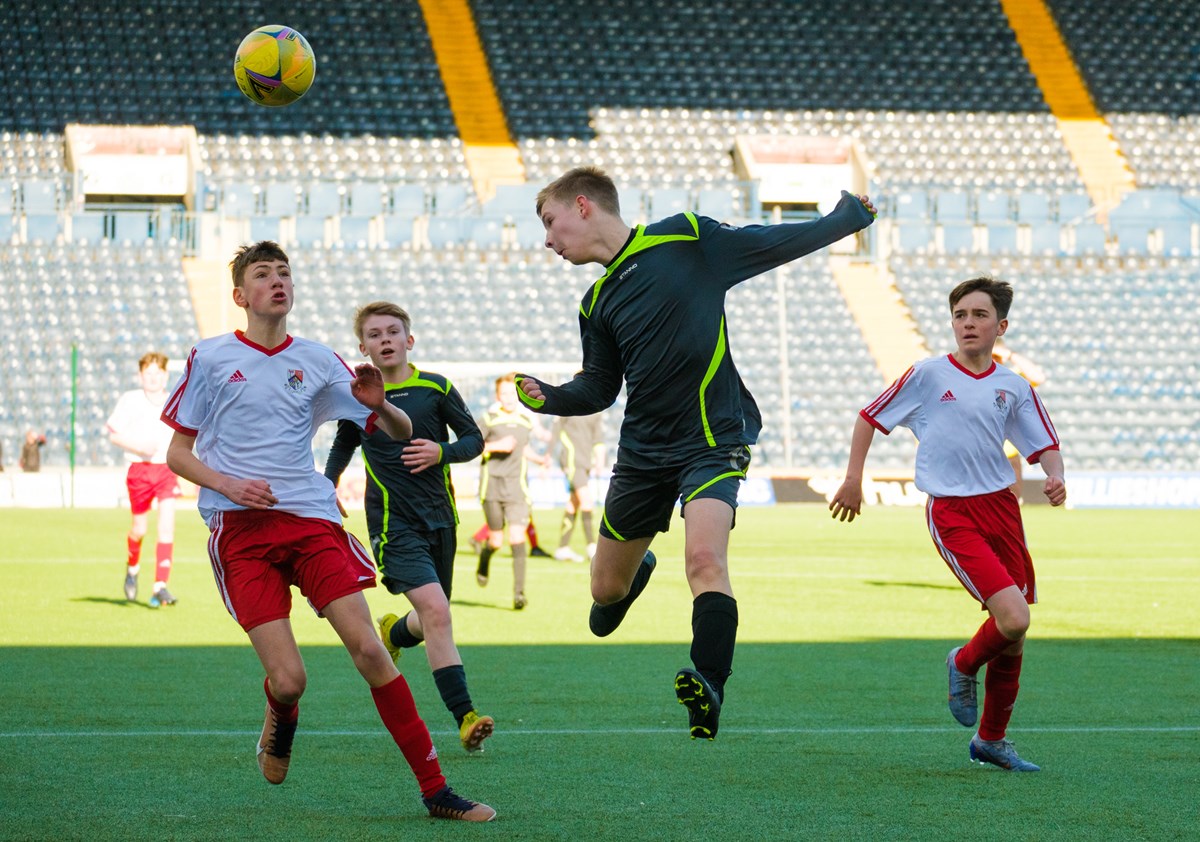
(122,722)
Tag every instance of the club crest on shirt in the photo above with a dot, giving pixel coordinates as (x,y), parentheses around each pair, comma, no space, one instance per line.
(1001,400)
(295,380)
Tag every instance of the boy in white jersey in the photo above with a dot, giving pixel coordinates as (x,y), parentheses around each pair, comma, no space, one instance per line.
(961,408)
(249,403)
(136,427)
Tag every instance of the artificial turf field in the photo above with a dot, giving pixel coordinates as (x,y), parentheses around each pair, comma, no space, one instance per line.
(122,722)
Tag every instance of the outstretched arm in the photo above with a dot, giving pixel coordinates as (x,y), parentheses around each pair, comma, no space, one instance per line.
(367,388)
(847,502)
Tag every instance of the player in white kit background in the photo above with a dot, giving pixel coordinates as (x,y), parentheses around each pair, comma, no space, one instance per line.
(962,407)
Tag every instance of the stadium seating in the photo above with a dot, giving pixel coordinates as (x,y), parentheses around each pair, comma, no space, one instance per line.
(966,163)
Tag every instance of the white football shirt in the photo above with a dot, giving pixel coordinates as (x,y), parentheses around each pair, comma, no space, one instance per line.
(254,413)
(961,420)
(139,419)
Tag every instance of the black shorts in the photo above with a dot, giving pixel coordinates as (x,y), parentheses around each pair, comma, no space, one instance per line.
(642,495)
(410,558)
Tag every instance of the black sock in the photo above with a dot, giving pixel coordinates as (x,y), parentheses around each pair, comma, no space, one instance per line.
(714,632)
(402,636)
(452,685)
(485,559)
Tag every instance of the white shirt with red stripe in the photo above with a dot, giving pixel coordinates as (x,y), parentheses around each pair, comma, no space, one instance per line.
(961,420)
(137,418)
(254,413)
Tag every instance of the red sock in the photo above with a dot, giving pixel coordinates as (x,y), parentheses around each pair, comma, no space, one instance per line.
(135,550)
(531,534)
(399,714)
(481,534)
(286,712)
(162,562)
(985,645)
(1000,685)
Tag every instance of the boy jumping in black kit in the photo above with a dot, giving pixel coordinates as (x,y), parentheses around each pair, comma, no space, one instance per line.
(656,320)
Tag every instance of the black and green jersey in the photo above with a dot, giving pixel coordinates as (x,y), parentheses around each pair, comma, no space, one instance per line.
(657,320)
(395,496)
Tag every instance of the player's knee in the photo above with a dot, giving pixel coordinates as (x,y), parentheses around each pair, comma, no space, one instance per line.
(705,563)
(435,620)
(607,591)
(1013,624)
(288,685)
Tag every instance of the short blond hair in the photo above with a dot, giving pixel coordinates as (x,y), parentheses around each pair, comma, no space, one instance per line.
(592,182)
(380,308)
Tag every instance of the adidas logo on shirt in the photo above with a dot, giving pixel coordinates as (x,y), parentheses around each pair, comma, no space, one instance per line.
(949,396)
(238,377)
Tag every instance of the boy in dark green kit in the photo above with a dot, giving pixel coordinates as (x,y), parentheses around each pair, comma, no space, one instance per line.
(411,515)
(656,320)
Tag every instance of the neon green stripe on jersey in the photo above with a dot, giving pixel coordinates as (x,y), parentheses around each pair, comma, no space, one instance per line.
(713,365)
(640,243)
(387,512)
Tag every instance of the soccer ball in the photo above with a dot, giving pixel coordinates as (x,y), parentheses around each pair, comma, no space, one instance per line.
(274,65)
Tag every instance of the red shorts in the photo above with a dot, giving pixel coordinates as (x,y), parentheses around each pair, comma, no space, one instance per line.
(258,555)
(147,482)
(982,541)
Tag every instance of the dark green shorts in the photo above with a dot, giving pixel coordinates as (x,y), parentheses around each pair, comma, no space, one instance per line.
(410,558)
(642,494)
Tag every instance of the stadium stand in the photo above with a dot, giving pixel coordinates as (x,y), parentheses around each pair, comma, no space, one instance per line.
(367,180)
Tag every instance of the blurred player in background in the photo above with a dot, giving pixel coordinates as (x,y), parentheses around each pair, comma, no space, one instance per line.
(503,489)
(961,407)
(580,440)
(656,320)
(411,516)
(136,427)
(244,416)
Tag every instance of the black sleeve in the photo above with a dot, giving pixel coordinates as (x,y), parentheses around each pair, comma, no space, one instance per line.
(740,253)
(344,444)
(594,388)
(469,440)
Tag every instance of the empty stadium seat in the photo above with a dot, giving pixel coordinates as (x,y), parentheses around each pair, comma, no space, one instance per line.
(87,226)
(264,228)
(958,237)
(715,202)
(281,199)
(366,199)
(512,201)
(1002,237)
(1177,238)
(1033,208)
(994,206)
(354,231)
(408,200)
(323,199)
(668,201)
(913,236)
(1046,239)
(911,205)
(950,206)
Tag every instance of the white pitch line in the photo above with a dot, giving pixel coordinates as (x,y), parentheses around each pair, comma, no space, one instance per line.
(606,732)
